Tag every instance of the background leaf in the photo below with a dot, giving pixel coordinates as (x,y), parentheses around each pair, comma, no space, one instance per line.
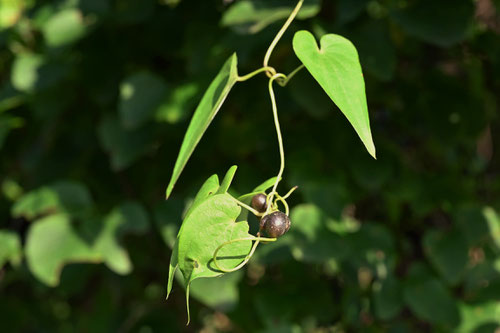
(251,16)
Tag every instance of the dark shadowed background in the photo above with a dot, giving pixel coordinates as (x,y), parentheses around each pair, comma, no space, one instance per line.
(95,96)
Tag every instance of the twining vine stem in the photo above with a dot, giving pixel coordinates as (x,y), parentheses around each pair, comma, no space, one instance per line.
(280,34)
(280,139)
(282,80)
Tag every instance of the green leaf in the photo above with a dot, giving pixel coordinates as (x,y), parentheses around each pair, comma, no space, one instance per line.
(178,103)
(10,12)
(64,27)
(493,221)
(62,197)
(448,253)
(129,217)
(251,16)
(387,298)
(205,112)
(51,243)
(348,10)
(211,223)
(313,242)
(141,94)
(337,69)
(429,299)
(228,178)
(7,123)
(125,146)
(209,188)
(475,315)
(25,71)
(259,189)
(247,198)
(221,293)
(10,248)
(446,25)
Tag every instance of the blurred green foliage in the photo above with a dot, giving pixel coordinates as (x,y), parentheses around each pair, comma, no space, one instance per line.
(95,96)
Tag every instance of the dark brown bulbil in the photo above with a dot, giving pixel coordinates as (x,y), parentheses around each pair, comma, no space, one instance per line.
(275,224)
(259,202)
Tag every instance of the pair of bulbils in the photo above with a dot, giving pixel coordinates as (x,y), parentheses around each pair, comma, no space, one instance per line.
(275,224)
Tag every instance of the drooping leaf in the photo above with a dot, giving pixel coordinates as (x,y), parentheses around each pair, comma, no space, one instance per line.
(141,94)
(205,112)
(10,248)
(335,65)
(209,188)
(211,224)
(443,23)
(251,16)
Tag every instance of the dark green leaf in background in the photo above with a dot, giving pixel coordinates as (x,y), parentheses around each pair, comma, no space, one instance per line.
(251,16)
(439,22)
(448,252)
(140,96)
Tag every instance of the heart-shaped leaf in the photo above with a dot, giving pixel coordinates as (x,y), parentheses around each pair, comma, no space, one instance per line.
(204,114)
(335,65)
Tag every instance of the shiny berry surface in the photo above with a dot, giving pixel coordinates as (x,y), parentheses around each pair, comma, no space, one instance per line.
(275,224)
(259,202)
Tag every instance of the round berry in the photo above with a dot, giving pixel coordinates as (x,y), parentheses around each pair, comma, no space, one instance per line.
(275,224)
(259,202)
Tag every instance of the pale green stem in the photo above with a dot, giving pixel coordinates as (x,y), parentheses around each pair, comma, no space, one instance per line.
(255,212)
(289,76)
(280,34)
(280,198)
(248,256)
(252,74)
(289,192)
(280,139)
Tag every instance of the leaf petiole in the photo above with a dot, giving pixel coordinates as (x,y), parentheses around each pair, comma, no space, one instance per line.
(267,69)
(290,76)
(255,212)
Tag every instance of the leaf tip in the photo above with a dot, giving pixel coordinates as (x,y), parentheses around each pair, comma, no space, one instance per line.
(170,187)
(371,149)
